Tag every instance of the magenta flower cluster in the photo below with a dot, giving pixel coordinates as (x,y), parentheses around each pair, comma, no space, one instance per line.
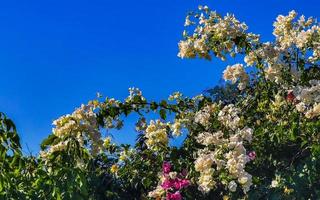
(173,184)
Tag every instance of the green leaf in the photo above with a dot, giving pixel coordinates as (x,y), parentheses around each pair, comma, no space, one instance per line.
(153,106)
(48,141)
(163,114)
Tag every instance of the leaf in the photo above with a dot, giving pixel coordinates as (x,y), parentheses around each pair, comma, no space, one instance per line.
(153,106)
(303,143)
(48,141)
(163,103)
(163,114)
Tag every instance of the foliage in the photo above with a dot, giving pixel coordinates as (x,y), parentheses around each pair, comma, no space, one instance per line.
(257,137)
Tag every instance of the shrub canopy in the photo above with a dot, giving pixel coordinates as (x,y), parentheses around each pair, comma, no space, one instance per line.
(257,137)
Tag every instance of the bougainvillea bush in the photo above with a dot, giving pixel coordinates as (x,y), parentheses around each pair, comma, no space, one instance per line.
(257,137)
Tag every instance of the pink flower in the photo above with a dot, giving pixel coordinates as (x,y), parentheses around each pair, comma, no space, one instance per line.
(167,184)
(174,196)
(180,183)
(166,167)
(184,183)
(252,155)
(177,184)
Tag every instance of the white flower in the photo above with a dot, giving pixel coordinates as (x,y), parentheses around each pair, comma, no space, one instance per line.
(234,73)
(134,92)
(175,96)
(246,134)
(188,21)
(313,112)
(232,186)
(205,181)
(274,183)
(156,135)
(212,27)
(283,30)
(228,116)
(203,162)
(157,193)
(250,59)
(186,49)
(274,73)
(203,116)
(301,107)
(206,138)
(176,128)
(309,97)
(173,175)
(82,125)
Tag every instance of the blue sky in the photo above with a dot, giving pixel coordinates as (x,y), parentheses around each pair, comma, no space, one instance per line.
(55,55)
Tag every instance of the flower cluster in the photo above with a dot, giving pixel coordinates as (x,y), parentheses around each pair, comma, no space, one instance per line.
(307,98)
(229,153)
(225,151)
(81,125)
(61,146)
(303,33)
(295,40)
(203,116)
(283,30)
(234,73)
(268,51)
(214,33)
(203,164)
(176,127)
(237,158)
(175,96)
(229,116)
(156,135)
(170,185)
(133,93)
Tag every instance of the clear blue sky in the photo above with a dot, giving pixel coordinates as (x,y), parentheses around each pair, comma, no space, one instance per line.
(55,55)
